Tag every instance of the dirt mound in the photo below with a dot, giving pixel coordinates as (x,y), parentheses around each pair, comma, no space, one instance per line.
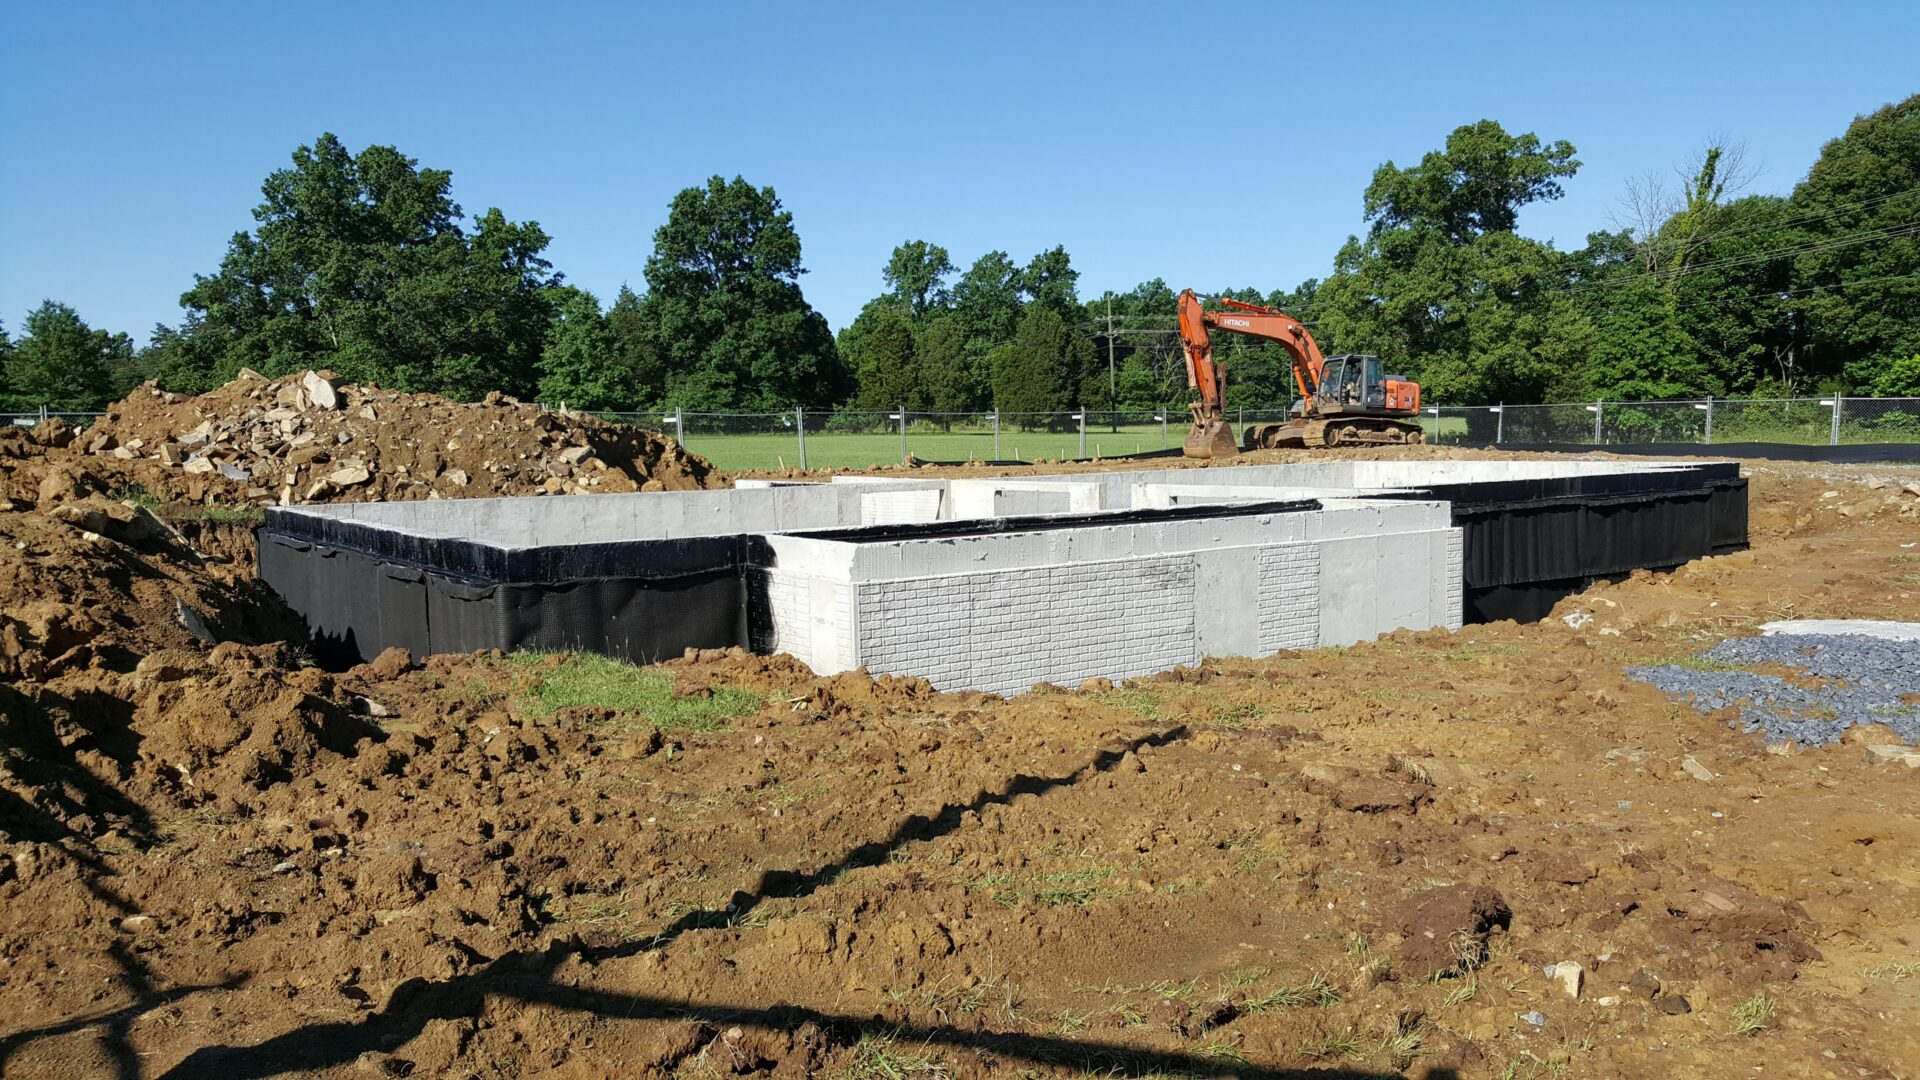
(310,438)
(96,584)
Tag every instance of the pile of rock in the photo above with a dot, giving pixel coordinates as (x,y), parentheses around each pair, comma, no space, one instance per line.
(314,438)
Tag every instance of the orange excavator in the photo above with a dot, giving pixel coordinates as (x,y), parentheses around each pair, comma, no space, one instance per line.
(1344,400)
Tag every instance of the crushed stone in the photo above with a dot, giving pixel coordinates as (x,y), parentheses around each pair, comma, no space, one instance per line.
(1865,680)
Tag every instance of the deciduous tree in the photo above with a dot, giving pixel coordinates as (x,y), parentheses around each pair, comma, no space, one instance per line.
(62,363)
(724,307)
(360,263)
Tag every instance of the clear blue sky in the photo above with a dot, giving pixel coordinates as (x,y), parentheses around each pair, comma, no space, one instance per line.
(1211,145)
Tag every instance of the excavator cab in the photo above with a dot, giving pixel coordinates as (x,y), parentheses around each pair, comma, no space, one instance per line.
(1352,384)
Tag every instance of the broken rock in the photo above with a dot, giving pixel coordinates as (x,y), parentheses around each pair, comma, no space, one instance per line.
(322,392)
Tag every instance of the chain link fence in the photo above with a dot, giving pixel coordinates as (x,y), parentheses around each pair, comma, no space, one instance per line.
(854,439)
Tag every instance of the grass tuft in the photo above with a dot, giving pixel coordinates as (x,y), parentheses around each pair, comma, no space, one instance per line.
(1750,1016)
(592,679)
(879,1057)
(1317,992)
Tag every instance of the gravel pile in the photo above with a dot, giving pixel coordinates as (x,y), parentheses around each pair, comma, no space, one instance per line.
(1866,680)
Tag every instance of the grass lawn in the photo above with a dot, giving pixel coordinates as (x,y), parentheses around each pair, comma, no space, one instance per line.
(591,679)
(838,450)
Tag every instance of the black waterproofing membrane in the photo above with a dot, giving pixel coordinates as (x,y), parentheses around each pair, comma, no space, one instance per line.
(362,588)
(1528,543)
(1844,454)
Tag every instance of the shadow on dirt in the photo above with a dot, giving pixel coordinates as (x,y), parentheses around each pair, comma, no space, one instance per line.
(528,978)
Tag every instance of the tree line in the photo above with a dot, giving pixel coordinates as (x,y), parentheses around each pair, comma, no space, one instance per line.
(364,264)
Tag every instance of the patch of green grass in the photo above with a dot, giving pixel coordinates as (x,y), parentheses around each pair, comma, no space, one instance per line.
(592,679)
(880,1057)
(1701,663)
(1750,1016)
(1244,977)
(1065,887)
(1462,994)
(224,514)
(1316,992)
(1239,716)
(1143,703)
(1894,972)
(1221,1051)
(1470,650)
(1347,1045)
(137,494)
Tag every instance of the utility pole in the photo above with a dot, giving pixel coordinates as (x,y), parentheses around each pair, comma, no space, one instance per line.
(1113,382)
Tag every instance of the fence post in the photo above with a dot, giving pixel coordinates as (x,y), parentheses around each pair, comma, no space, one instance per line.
(1708,408)
(1164,444)
(680,425)
(996,434)
(1838,403)
(800,429)
(903,433)
(1499,423)
(1081,416)
(1599,410)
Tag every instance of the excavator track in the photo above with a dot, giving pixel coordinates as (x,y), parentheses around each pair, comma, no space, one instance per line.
(1334,431)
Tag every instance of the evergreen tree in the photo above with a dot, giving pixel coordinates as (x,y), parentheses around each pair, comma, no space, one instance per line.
(1046,368)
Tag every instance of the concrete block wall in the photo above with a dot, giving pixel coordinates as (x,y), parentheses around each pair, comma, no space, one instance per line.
(1000,611)
(1003,631)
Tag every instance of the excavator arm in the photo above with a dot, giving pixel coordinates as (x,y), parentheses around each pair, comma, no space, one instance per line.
(1210,436)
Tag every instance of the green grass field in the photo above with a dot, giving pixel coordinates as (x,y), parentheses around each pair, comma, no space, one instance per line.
(844,450)
(860,450)
(839,450)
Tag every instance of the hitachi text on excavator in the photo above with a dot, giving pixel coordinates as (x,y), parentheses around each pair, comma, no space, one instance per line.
(1344,400)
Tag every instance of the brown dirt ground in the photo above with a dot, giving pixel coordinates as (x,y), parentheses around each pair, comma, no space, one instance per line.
(1343,862)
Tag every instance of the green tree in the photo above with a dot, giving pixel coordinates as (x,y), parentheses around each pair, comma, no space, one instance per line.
(1900,378)
(1735,300)
(360,263)
(1862,285)
(916,275)
(62,363)
(635,349)
(947,376)
(1444,291)
(986,300)
(724,307)
(1049,280)
(879,346)
(1641,352)
(581,365)
(1476,185)
(1046,368)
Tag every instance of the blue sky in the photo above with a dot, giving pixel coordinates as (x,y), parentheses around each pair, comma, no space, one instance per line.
(1210,145)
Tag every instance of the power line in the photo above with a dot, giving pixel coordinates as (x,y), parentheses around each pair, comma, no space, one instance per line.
(1842,286)
(1799,219)
(1890,232)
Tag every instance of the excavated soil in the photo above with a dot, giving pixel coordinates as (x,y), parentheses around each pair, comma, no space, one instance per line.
(1343,862)
(311,438)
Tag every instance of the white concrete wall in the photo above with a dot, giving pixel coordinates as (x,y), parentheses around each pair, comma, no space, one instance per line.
(1002,611)
(1008,497)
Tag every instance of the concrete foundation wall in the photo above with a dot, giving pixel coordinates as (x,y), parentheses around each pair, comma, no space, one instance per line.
(1000,611)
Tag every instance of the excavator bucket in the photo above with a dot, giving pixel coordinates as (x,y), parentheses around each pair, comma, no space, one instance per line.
(1209,437)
